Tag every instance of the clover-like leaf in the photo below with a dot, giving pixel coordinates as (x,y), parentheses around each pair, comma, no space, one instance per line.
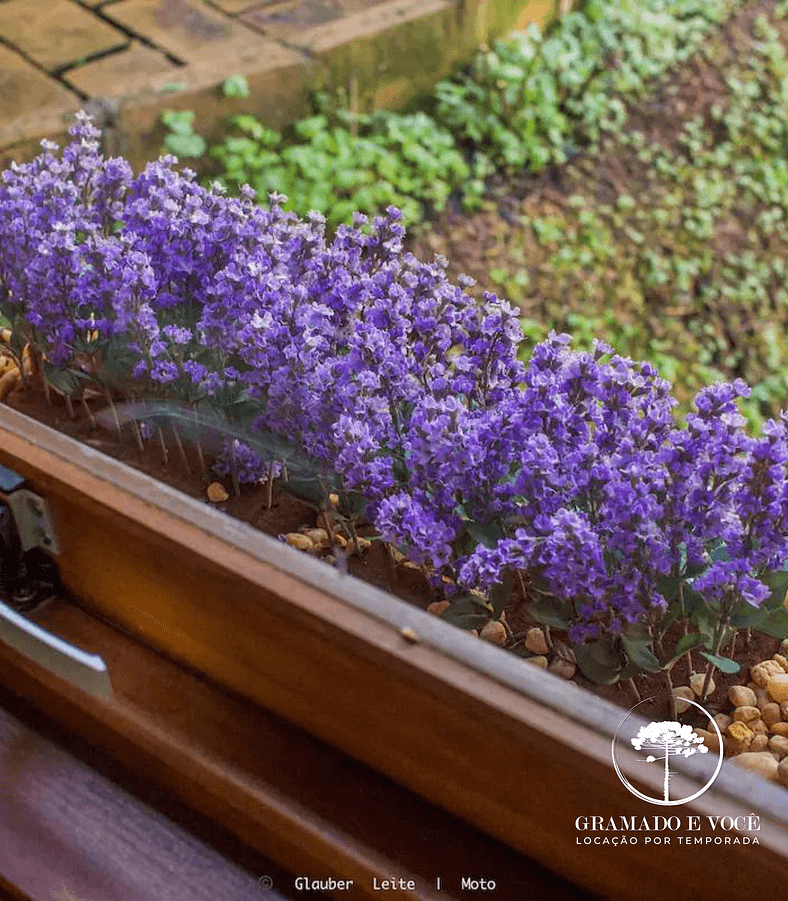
(550,611)
(236,86)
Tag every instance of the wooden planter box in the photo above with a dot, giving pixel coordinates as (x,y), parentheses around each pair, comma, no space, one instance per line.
(510,749)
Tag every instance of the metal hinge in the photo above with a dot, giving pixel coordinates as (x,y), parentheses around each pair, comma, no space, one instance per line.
(29,579)
(33,521)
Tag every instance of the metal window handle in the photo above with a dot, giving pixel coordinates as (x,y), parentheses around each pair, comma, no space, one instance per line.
(83,670)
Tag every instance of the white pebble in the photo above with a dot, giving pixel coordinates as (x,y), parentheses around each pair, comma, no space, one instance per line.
(760,762)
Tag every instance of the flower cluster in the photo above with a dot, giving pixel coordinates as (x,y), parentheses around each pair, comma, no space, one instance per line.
(572,467)
(612,494)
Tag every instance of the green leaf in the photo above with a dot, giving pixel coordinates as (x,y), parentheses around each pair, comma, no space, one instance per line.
(236,86)
(118,362)
(467,612)
(723,664)
(776,624)
(705,620)
(352,505)
(65,381)
(311,127)
(486,533)
(500,594)
(668,587)
(551,611)
(693,600)
(665,623)
(638,650)
(745,616)
(629,672)
(183,145)
(179,121)
(687,643)
(599,661)
(778,582)
(310,489)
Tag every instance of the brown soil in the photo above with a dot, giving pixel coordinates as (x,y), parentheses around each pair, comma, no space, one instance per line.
(373,565)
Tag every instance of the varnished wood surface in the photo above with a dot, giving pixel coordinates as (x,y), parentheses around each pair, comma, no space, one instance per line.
(68,834)
(512,750)
(280,790)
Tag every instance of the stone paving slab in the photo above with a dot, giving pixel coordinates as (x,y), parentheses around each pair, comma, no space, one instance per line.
(278,94)
(57,33)
(295,21)
(385,18)
(25,88)
(119,74)
(373,67)
(238,6)
(188,29)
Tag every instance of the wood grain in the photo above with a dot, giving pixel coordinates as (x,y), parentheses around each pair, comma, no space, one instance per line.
(67,833)
(279,789)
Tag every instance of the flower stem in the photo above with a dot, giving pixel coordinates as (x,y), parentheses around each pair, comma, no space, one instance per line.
(668,680)
(718,633)
(165,456)
(181,451)
(234,468)
(137,435)
(269,497)
(198,445)
(89,413)
(115,416)
(688,655)
(671,697)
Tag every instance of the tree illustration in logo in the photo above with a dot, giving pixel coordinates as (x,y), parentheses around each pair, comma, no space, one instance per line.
(672,738)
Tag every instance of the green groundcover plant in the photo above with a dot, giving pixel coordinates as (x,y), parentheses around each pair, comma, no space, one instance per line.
(529,101)
(532,100)
(366,372)
(337,162)
(681,260)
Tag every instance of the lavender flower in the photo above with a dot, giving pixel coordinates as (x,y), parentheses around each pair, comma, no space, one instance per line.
(573,467)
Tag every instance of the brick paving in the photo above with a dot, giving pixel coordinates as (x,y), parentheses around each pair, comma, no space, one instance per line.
(126,60)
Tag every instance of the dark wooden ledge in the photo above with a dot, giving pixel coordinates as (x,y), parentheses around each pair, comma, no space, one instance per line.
(282,792)
(67,833)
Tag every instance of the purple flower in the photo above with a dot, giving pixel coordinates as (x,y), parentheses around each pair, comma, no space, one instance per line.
(572,467)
